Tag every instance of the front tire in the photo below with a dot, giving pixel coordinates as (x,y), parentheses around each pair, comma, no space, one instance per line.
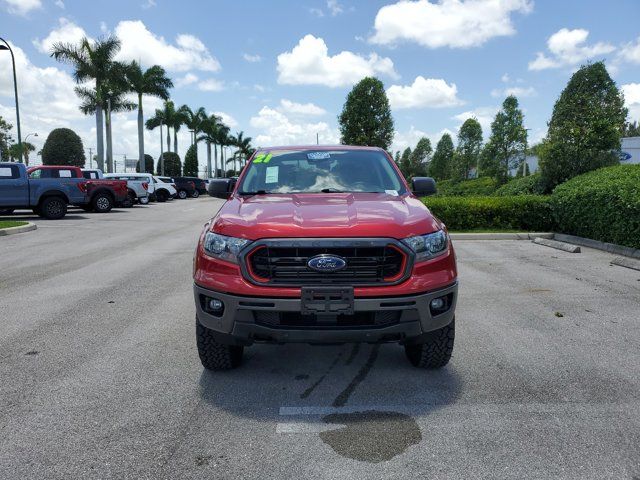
(436,349)
(102,203)
(53,208)
(216,356)
(195,194)
(144,200)
(182,194)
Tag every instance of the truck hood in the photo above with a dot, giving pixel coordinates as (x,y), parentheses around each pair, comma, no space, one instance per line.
(324,215)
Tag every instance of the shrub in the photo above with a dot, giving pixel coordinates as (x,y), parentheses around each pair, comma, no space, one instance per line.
(475,187)
(172,165)
(148,163)
(63,147)
(524,212)
(602,205)
(191,162)
(530,185)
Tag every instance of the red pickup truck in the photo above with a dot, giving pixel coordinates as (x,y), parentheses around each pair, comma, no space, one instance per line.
(324,245)
(102,195)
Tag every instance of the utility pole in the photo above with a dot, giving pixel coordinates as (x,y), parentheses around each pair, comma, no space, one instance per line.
(15,90)
(317,138)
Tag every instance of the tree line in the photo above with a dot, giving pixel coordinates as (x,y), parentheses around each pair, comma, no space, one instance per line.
(585,131)
(111,84)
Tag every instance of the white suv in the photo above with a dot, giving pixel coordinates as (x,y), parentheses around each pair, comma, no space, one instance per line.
(164,191)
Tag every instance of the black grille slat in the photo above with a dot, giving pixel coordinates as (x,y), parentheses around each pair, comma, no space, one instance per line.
(288,265)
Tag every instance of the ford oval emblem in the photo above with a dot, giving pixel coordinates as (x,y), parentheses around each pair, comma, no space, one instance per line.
(327,263)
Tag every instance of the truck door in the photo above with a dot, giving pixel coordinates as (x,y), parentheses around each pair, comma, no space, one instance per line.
(14,188)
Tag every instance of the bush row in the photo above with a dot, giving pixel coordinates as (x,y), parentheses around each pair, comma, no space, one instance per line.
(530,185)
(523,212)
(466,188)
(602,205)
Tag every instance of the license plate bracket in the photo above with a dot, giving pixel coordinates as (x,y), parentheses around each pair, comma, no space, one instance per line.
(327,300)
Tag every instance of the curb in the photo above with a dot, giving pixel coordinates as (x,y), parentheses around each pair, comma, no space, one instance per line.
(565,247)
(499,236)
(607,247)
(21,229)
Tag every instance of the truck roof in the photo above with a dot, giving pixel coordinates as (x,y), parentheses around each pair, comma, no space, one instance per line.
(319,147)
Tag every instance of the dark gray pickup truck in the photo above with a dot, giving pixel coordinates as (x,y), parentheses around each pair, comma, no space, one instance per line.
(47,197)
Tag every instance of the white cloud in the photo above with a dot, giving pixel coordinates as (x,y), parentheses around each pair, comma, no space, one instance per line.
(484,115)
(410,138)
(188,79)
(505,78)
(103,27)
(149,4)
(227,119)
(67,32)
(309,109)
(447,23)
(568,48)
(211,85)
(424,93)
(334,7)
(515,91)
(309,64)
(631,52)
(138,43)
(59,4)
(276,128)
(631,93)
(21,7)
(252,58)
(259,88)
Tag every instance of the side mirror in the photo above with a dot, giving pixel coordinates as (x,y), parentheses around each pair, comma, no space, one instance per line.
(221,187)
(423,186)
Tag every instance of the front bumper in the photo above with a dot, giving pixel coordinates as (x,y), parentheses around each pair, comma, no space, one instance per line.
(238,324)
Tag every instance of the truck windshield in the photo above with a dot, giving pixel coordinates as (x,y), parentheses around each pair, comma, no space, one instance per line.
(321,171)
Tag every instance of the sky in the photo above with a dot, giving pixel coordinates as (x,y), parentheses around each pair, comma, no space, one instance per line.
(280,70)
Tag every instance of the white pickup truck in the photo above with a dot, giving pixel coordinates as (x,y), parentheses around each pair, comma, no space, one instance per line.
(138,188)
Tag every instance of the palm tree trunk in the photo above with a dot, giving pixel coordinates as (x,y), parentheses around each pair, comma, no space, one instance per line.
(109,141)
(208,159)
(99,138)
(215,159)
(168,140)
(143,167)
(175,140)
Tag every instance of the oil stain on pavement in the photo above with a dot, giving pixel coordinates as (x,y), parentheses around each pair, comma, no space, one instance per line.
(371,436)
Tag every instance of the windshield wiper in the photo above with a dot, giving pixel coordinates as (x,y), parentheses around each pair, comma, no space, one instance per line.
(257,192)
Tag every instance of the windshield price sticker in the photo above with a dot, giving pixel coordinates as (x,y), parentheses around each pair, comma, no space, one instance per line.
(271,175)
(318,155)
(263,158)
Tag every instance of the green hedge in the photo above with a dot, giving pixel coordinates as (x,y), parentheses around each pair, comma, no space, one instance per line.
(530,185)
(523,212)
(602,205)
(466,188)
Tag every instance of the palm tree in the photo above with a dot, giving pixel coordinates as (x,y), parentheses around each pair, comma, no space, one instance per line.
(113,100)
(17,154)
(223,141)
(152,81)
(210,126)
(244,148)
(193,120)
(91,61)
(168,116)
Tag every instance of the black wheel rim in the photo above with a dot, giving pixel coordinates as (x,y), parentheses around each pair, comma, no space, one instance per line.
(54,208)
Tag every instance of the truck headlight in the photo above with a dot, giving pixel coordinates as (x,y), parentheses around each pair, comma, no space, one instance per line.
(429,245)
(223,247)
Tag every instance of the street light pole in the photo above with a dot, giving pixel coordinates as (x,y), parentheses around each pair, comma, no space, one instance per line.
(15,90)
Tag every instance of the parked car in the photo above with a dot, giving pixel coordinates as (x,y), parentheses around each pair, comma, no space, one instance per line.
(199,184)
(102,195)
(324,245)
(138,188)
(47,196)
(164,190)
(145,177)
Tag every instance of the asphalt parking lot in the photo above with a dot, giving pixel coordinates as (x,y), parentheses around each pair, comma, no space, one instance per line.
(100,378)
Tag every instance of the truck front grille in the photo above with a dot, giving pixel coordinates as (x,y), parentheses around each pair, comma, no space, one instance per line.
(380,319)
(380,263)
